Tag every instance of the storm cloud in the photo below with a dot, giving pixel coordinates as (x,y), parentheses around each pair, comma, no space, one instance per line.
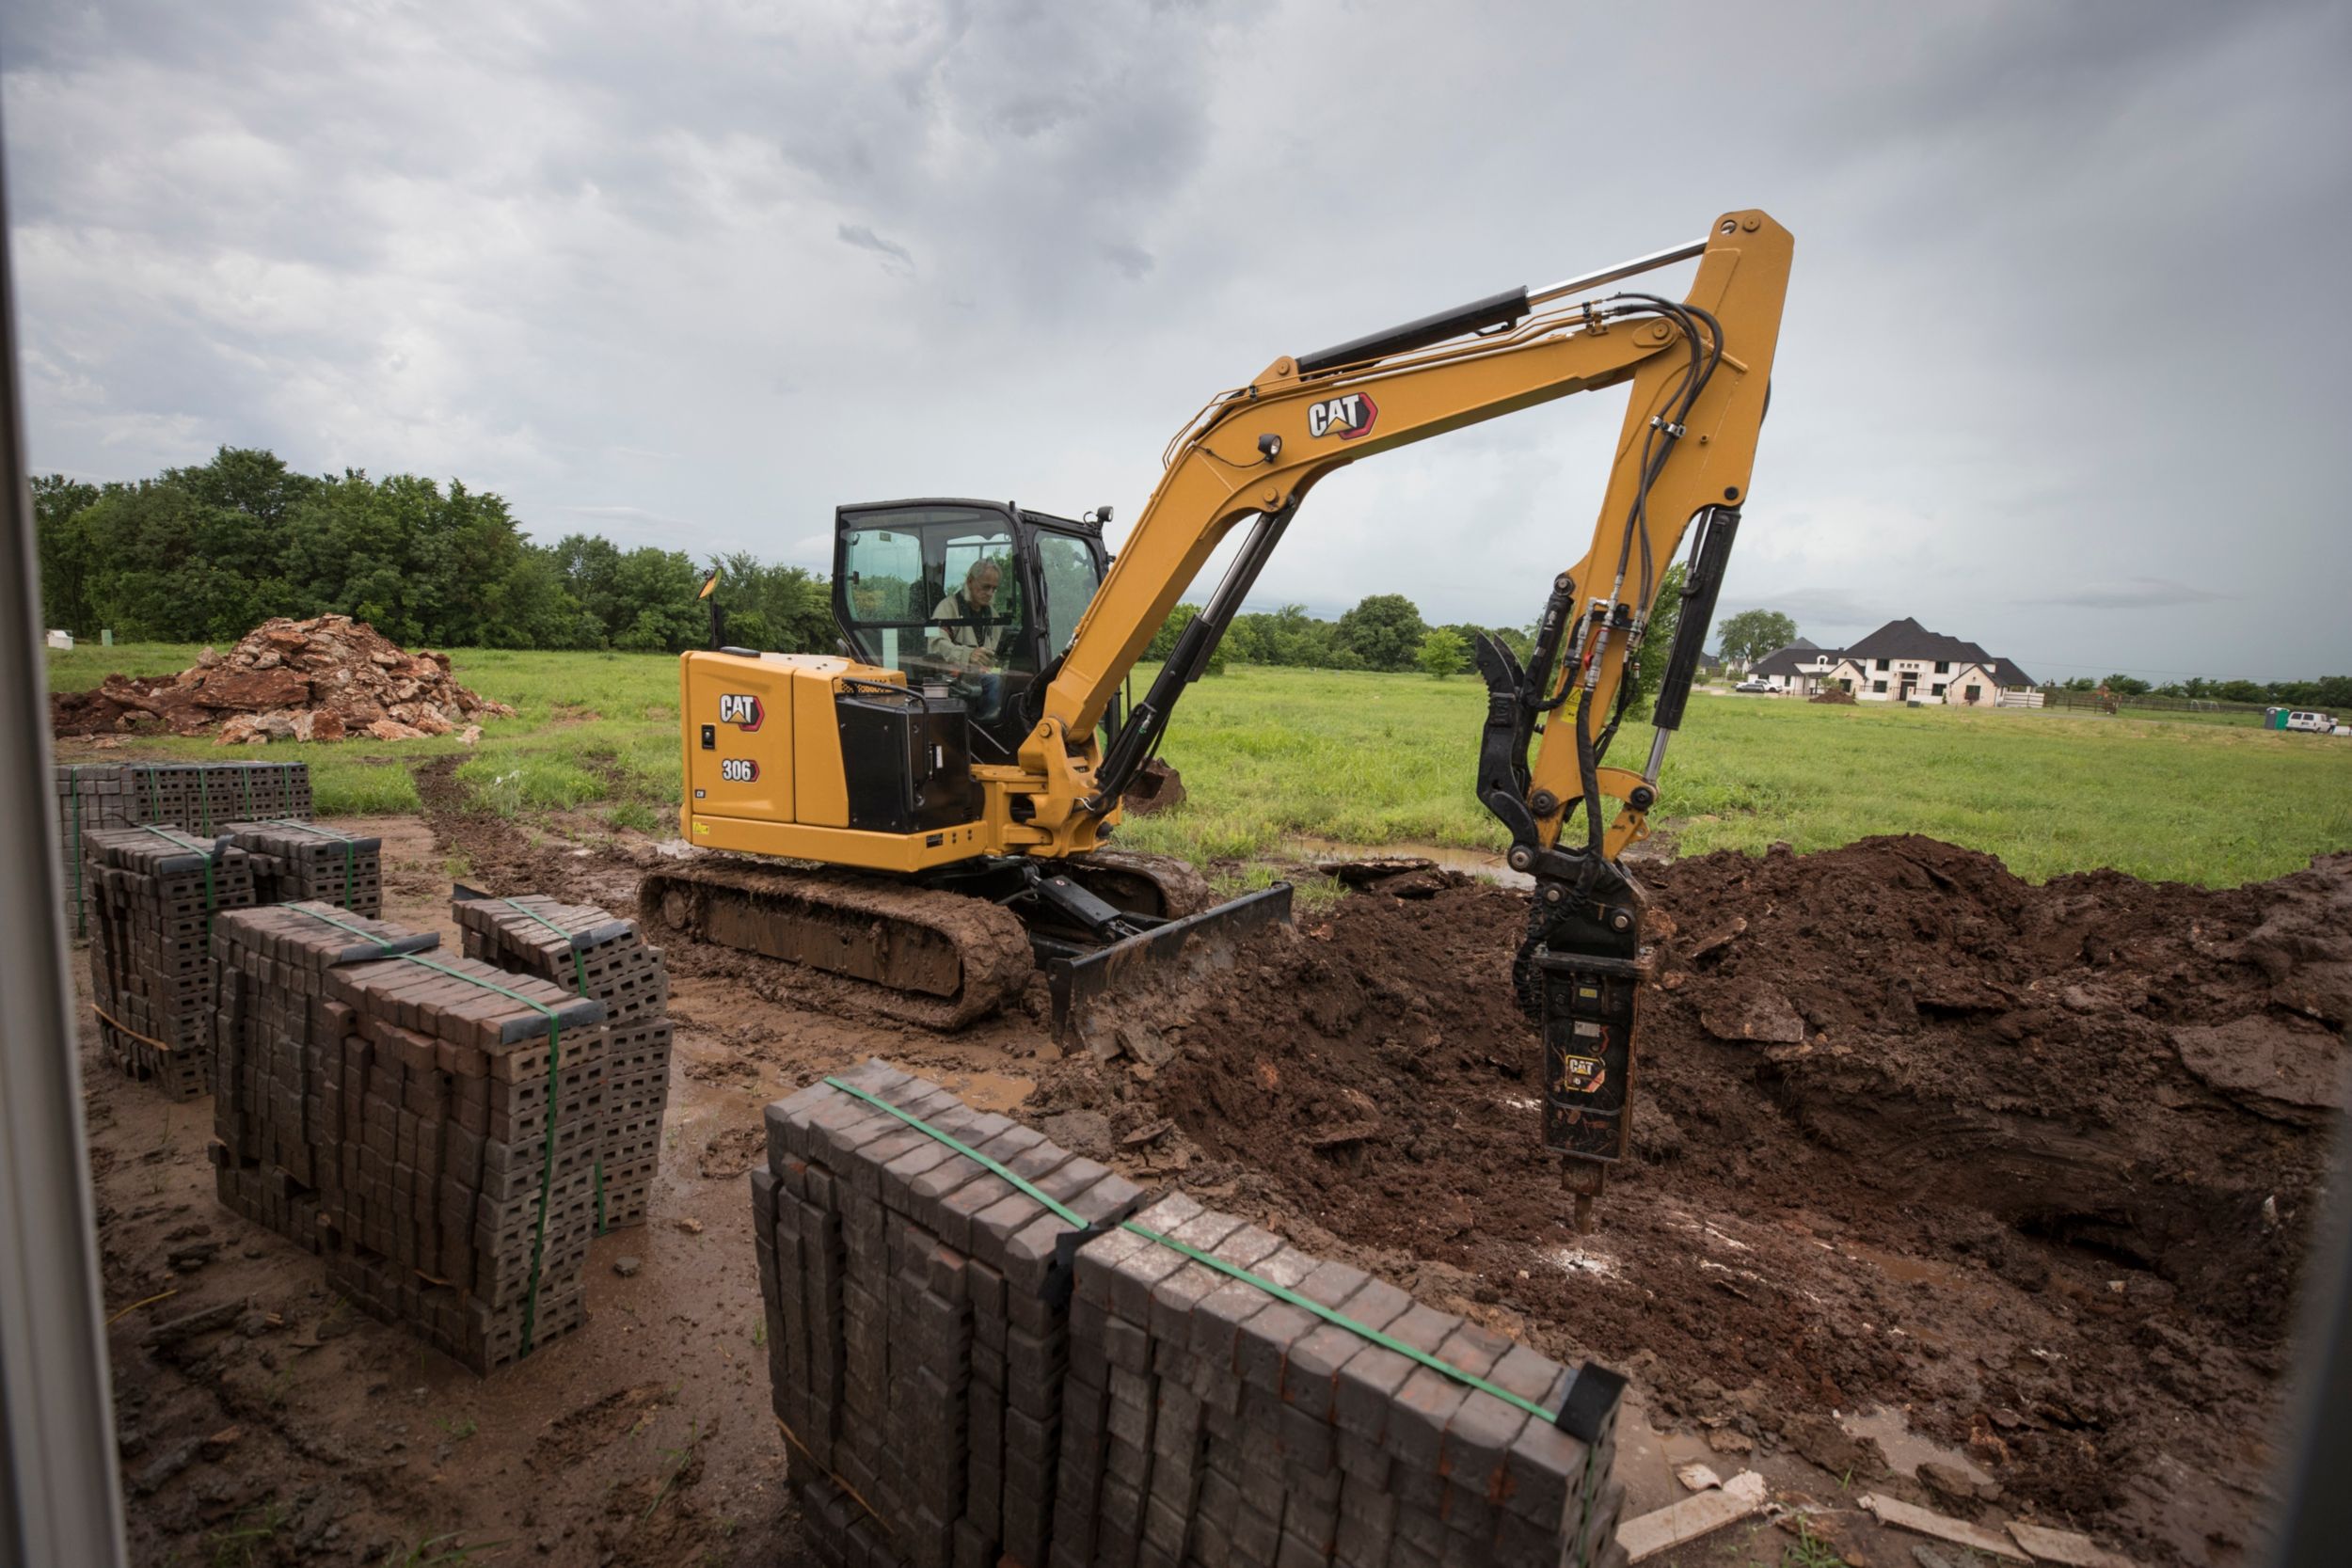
(695,275)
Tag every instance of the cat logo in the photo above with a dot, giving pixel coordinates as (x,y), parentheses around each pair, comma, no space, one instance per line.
(1581,1075)
(741,710)
(1346,418)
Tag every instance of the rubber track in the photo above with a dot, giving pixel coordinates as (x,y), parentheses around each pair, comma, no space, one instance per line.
(989,940)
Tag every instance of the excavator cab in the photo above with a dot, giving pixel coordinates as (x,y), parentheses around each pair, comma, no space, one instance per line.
(899,572)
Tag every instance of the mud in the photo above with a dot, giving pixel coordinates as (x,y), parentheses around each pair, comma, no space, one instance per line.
(1913,1134)
(2025,1182)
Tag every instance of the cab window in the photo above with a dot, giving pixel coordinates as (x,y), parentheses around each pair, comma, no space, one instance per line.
(1067,579)
(904,579)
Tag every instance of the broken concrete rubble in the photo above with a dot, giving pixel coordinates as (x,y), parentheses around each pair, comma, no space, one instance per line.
(320,679)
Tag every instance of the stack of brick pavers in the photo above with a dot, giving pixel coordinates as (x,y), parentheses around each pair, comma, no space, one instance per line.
(297,861)
(194,797)
(915,1348)
(155,895)
(586,950)
(926,1351)
(1209,1420)
(428,1123)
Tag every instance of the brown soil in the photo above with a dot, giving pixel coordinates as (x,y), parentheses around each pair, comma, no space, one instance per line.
(1980,1181)
(2035,1176)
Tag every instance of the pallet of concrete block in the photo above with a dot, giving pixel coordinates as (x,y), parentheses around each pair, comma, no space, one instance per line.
(1209,1419)
(155,893)
(194,797)
(295,861)
(916,1337)
(967,1378)
(429,1123)
(587,950)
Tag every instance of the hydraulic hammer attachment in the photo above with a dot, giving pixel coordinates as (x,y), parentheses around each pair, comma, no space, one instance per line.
(1579,978)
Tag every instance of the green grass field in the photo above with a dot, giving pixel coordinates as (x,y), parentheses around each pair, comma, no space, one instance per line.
(590,730)
(1272,755)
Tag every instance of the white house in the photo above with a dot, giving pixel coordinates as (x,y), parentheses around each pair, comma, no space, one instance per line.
(1799,668)
(1903,661)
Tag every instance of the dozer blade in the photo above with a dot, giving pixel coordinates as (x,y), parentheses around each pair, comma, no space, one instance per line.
(1083,988)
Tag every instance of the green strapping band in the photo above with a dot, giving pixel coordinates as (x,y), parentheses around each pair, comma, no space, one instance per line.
(324,832)
(579,978)
(580,965)
(1338,1320)
(244,777)
(555,1066)
(193,848)
(81,916)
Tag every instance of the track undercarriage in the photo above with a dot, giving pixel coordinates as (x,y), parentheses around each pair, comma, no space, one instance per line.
(957,945)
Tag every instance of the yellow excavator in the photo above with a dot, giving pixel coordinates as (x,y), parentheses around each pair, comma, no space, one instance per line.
(922,821)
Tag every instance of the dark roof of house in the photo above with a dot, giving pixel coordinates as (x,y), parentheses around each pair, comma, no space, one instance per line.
(1908,638)
(2005,675)
(1784,661)
(1803,642)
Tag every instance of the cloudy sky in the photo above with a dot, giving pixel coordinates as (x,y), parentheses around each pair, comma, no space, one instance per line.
(2064,355)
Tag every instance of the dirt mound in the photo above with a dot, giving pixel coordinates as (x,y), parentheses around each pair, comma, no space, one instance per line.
(1156,787)
(2033,1162)
(287,680)
(1835,696)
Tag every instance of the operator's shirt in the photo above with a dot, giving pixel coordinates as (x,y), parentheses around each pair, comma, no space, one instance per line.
(956,645)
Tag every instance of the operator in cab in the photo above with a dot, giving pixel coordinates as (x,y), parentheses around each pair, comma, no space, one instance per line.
(964,637)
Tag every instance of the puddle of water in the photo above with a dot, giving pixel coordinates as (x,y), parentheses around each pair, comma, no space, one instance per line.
(1485,863)
(1910,1271)
(988,1091)
(1905,1450)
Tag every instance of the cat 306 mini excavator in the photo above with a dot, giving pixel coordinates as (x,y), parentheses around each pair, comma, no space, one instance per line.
(923,819)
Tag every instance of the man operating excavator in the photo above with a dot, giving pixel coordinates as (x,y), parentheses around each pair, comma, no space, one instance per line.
(965,636)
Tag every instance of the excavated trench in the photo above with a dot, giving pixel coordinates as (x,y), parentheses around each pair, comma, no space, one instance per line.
(2035,1163)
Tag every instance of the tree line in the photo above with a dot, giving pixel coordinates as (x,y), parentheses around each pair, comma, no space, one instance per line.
(1385,631)
(2327,691)
(207,553)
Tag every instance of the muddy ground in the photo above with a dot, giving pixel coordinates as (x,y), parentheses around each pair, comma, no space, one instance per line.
(1984,1196)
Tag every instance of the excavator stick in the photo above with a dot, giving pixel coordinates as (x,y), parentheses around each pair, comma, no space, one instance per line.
(1088,988)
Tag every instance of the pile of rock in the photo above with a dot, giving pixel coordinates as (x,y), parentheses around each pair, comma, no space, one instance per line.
(322,679)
